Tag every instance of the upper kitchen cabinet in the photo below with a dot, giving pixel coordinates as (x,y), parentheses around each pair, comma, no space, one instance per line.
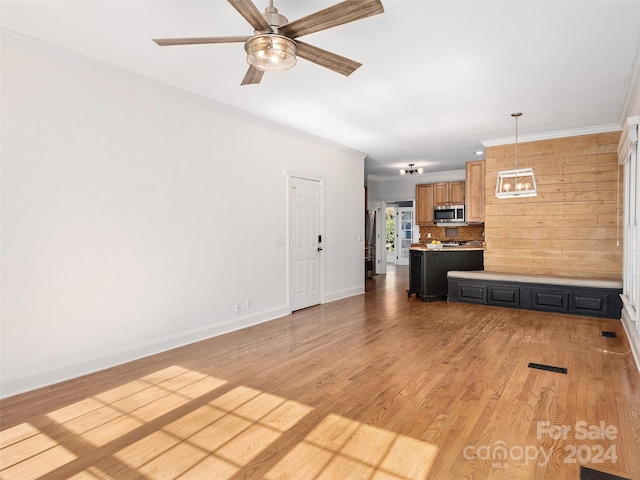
(450,193)
(424,204)
(475,191)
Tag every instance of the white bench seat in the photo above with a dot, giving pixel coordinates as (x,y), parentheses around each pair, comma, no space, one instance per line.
(542,279)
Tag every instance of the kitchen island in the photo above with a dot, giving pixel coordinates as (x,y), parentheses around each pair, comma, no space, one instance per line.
(428,268)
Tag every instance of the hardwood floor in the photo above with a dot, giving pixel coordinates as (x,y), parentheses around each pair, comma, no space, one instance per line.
(376,386)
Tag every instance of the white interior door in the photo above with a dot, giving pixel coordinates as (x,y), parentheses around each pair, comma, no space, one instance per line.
(404,234)
(305,243)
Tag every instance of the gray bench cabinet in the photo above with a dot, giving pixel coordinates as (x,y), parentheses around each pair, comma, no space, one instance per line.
(566,298)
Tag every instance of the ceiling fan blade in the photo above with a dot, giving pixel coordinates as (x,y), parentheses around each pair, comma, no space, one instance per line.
(339,14)
(253,76)
(164,42)
(327,59)
(251,14)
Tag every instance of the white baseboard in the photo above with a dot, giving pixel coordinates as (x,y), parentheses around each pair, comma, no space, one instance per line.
(632,335)
(58,373)
(352,292)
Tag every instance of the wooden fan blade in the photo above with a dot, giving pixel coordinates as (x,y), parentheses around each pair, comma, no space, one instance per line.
(251,14)
(164,42)
(326,59)
(253,76)
(339,14)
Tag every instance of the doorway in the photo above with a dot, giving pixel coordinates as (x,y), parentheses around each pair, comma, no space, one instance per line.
(305,233)
(390,234)
(401,230)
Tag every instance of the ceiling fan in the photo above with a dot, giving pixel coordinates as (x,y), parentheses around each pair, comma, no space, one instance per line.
(274,44)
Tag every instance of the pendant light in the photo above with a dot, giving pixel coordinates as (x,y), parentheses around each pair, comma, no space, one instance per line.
(411,170)
(520,182)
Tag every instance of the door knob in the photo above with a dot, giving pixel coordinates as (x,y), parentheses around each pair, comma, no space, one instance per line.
(319,249)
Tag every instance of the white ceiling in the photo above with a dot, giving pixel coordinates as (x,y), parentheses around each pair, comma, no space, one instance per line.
(438,77)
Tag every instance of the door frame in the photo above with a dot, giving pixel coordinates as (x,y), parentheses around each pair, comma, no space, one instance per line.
(399,231)
(290,283)
(381,245)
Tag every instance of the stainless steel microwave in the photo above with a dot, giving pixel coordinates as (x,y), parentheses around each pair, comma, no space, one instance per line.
(448,214)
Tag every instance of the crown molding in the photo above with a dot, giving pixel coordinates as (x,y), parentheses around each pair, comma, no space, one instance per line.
(70,57)
(39,47)
(574,132)
(426,177)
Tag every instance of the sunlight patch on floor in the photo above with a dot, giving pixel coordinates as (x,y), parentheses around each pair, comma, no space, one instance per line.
(221,437)
(210,441)
(79,429)
(18,460)
(191,439)
(342,448)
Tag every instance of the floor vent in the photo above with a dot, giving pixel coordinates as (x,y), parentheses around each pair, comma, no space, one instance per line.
(590,474)
(609,334)
(550,368)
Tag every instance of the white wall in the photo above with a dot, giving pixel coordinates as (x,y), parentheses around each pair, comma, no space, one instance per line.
(404,188)
(135,217)
(630,323)
(373,191)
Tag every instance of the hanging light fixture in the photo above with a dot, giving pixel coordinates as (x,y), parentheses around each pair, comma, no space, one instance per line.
(411,170)
(271,52)
(520,182)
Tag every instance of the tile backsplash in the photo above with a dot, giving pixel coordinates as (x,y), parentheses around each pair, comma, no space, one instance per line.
(469,232)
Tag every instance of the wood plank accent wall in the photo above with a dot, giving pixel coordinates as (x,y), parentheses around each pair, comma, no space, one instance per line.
(571,227)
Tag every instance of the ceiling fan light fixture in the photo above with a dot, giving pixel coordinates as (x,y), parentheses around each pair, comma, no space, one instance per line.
(271,52)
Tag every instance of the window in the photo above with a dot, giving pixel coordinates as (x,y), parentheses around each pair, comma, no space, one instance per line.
(628,156)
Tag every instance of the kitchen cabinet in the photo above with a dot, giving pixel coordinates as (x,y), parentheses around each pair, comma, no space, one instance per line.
(424,204)
(475,191)
(449,193)
(432,194)
(428,270)
(417,283)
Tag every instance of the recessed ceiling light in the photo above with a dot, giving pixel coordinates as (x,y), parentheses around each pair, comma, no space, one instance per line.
(479,152)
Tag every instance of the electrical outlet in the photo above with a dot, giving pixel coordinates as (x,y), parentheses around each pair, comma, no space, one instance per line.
(248,303)
(238,307)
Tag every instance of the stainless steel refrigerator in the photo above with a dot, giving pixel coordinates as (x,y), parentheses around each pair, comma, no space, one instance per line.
(370,244)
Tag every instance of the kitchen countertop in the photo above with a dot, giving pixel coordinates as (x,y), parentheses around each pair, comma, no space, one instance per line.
(423,247)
